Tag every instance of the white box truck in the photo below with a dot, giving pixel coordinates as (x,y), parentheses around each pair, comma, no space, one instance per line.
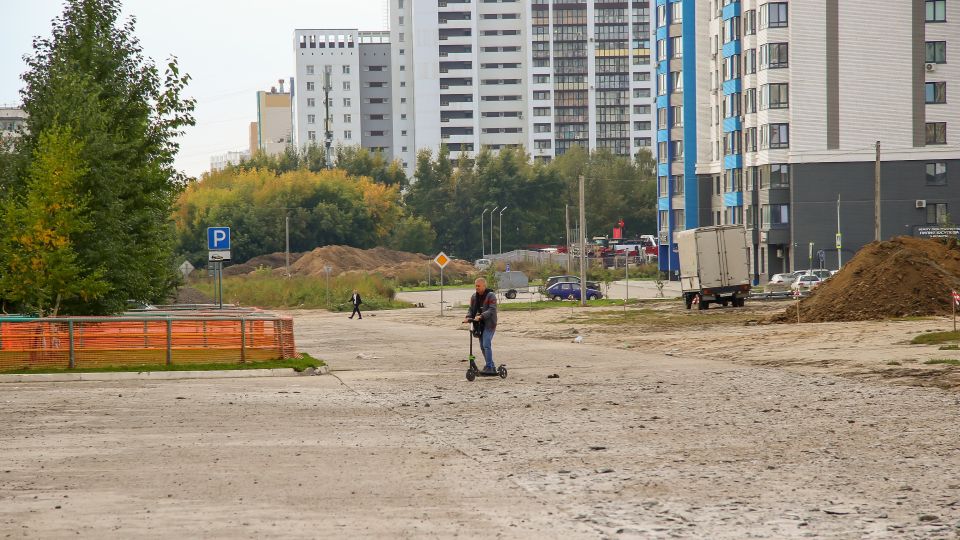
(714,268)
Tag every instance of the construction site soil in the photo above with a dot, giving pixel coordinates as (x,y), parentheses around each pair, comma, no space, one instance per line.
(901,277)
(389,263)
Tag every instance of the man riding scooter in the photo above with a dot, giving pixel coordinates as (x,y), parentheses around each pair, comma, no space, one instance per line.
(483,312)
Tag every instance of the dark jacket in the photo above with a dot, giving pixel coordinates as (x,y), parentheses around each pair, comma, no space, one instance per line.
(486,307)
(356,299)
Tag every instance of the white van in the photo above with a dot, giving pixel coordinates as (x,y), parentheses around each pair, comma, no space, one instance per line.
(482,264)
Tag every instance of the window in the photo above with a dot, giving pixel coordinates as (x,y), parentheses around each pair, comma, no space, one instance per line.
(311,119)
(312,135)
(774,55)
(311,86)
(309,69)
(661,15)
(773,15)
(678,220)
(749,22)
(346,69)
(541,111)
(541,79)
(774,96)
(750,100)
(346,85)
(348,134)
(662,186)
(641,76)
(311,102)
(936,92)
(779,175)
(662,153)
(937,214)
(676,46)
(936,133)
(750,139)
(676,81)
(937,173)
(775,214)
(677,148)
(641,125)
(936,10)
(541,94)
(676,182)
(641,109)
(347,119)
(662,84)
(541,128)
(676,13)
(731,29)
(676,113)
(775,136)
(662,118)
(937,52)
(750,61)
(346,102)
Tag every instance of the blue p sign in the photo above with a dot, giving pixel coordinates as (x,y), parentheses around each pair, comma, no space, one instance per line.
(218,238)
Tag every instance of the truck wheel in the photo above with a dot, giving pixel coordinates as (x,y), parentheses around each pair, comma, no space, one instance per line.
(702,304)
(511,294)
(688,300)
(724,303)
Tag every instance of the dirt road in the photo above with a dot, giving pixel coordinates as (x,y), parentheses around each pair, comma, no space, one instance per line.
(624,443)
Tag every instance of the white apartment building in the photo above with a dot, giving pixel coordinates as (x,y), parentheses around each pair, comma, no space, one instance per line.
(461,77)
(590,76)
(779,115)
(359,104)
(219,162)
(12,121)
(542,74)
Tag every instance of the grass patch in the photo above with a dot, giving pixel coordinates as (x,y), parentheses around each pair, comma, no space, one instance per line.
(553,304)
(300,363)
(419,288)
(950,347)
(270,291)
(933,338)
(894,363)
(947,361)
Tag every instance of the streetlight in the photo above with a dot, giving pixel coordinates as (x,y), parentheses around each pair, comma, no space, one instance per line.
(501,230)
(482,230)
(491,227)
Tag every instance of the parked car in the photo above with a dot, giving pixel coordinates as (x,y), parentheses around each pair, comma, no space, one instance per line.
(482,264)
(805,282)
(576,279)
(570,290)
(779,282)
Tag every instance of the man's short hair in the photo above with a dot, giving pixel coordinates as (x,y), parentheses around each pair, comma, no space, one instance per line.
(480,280)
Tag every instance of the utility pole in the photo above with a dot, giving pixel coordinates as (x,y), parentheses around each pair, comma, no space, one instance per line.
(501,231)
(569,262)
(839,238)
(495,208)
(288,246)
(583,250)
(483,252)
(876,196)
(328,121)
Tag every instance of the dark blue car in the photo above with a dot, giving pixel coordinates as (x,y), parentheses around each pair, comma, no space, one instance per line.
(568,290)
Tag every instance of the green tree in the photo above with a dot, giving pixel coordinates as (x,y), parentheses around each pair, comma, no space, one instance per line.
(91,77)
(39,266)
(413,234)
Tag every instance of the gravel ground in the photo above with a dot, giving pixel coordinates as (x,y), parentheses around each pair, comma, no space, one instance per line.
(622,443)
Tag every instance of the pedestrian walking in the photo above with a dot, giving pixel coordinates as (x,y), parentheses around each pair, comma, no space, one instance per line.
(356,301)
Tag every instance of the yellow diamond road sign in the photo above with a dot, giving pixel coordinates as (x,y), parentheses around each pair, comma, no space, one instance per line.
(441,259)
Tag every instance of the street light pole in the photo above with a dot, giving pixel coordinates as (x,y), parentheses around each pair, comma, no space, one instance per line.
(483,252)
(492,212)
(501,231)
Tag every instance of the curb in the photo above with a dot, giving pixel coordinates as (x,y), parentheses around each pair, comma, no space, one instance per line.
(161,375)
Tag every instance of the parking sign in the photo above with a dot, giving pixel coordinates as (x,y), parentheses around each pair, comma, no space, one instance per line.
(218,238)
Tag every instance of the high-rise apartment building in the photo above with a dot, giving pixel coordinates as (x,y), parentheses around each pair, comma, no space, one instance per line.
(542,74)
(356,65)
(220,162)
(12,121)
(768,114)
(590,76)
(271,133)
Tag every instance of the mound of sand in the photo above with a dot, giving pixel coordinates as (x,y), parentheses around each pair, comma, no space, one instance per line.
(342,259)
(272,260)
(902,277)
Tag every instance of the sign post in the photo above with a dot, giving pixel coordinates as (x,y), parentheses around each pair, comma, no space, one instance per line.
(218,247)
(796,294)
(442,260)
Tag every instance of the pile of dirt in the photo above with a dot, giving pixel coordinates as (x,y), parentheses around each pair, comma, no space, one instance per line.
(272,260)
(189,295)
(902,277)
(342,259)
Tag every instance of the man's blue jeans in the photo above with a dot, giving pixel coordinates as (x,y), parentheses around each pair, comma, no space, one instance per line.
(486,347)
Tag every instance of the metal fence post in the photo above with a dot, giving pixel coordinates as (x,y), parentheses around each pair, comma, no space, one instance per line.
(73,360)
(169,341)
(243,340)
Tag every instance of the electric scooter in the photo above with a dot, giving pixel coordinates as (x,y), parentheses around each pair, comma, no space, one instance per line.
(473,372)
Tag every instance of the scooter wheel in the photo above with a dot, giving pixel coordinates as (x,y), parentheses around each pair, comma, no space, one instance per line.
(502,372)
(471,375)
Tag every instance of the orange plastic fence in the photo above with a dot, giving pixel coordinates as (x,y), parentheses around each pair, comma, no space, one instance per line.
(129,341)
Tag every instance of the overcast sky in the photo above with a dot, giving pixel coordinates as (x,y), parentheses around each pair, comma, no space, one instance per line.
(231,48)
